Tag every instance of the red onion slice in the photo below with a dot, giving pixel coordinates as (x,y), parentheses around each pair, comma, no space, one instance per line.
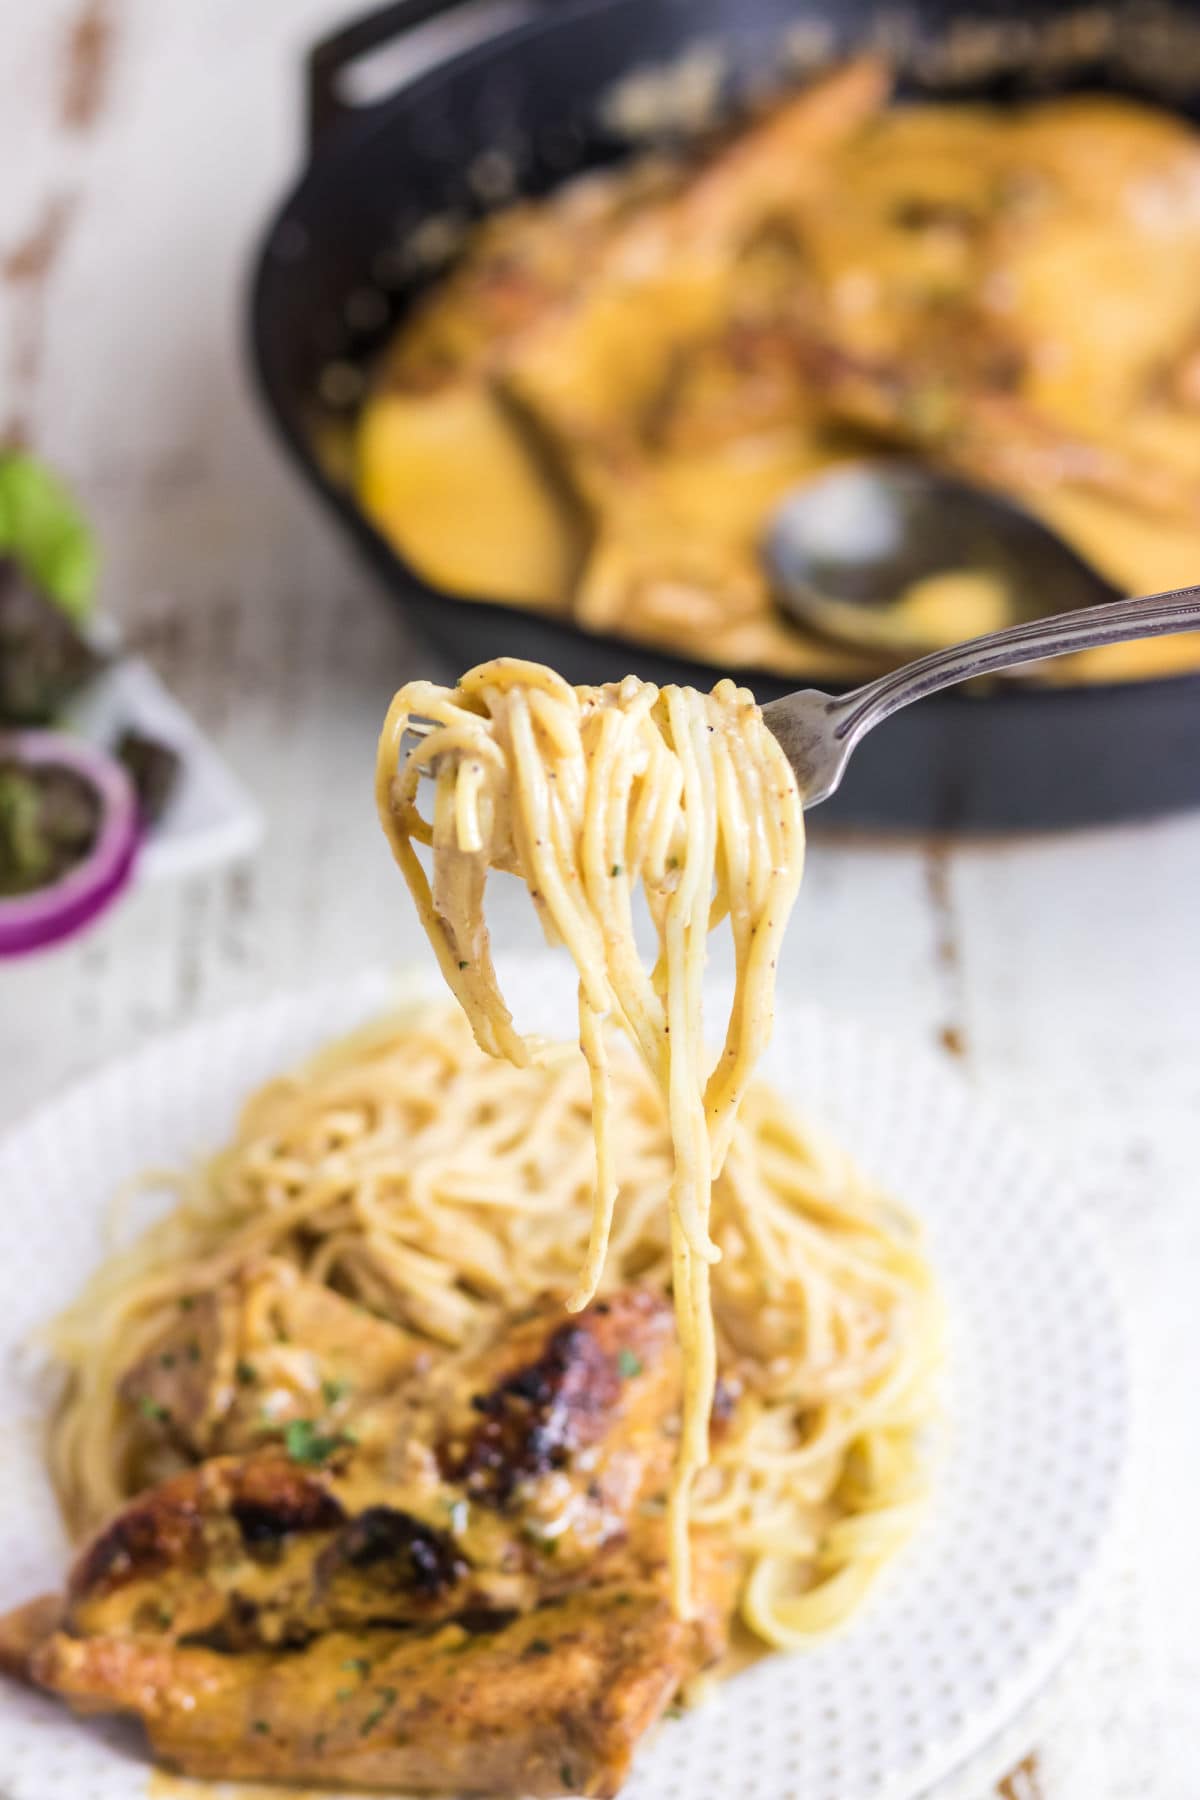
(30,921)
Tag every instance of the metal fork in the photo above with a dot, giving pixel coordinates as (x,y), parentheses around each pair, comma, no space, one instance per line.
(820,732)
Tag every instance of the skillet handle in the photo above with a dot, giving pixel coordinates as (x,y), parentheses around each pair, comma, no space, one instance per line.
(329,57)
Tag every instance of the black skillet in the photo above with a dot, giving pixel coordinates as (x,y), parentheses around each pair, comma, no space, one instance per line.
(335,271)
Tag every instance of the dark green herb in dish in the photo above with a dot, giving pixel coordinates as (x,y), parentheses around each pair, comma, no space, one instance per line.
(44,660)
(153,768)
(49,818)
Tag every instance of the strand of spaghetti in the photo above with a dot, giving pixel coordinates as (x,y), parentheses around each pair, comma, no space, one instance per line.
(593,792)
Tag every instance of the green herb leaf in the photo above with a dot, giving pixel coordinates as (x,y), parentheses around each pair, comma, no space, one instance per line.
(629,1363)
(333,1391)
(261,1727)
(539,1647)
(359,1664)
(387,1697)
(42,528)
(153,1409)
(305,1444)
(44,658)
(246,1373)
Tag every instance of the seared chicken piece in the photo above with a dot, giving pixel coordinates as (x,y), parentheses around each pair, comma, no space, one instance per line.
(552,1703)
(481,1486)
(588,375)
(267,1347)
(473,1597)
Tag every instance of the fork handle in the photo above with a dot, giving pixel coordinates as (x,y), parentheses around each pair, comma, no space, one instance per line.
(1114,622)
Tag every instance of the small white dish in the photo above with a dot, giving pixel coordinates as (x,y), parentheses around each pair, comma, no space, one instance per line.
(209,819)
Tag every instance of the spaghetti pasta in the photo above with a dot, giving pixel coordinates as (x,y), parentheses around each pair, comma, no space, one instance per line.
(588,794)
(442,1188)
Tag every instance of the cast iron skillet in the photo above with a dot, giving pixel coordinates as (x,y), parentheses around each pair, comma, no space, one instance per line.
(335,271)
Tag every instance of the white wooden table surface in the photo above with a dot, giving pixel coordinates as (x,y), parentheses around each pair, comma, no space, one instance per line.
(142,142)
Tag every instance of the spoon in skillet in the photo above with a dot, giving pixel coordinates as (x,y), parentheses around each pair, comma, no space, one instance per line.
(820,732)
(897,558)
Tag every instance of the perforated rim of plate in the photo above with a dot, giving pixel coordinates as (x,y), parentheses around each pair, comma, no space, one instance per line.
(956,1639)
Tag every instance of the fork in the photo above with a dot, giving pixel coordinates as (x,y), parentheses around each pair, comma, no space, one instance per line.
(820,732)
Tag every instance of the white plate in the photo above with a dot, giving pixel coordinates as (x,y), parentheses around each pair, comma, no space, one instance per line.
(958,1637)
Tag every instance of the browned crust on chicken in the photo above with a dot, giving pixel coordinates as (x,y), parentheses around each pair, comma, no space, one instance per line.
(554,1397)
(207,1513)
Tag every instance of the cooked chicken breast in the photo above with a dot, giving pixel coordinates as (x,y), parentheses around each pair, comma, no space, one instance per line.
(471,1591)
(267,1347)
(553,1703)
(485,1483)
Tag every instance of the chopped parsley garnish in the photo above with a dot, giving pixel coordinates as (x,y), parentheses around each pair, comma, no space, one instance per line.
(261,1727)
(344,1694)
(187,1302)
(193,1351)
(537,1534)
(153,1409)
(539,1647)
(305,1444)
(566,1777)
(167,1360)
(629,1363)
(387,1697)
(464,965)
(246,1373)
(333,1391)
(359,1664)
(616,869)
